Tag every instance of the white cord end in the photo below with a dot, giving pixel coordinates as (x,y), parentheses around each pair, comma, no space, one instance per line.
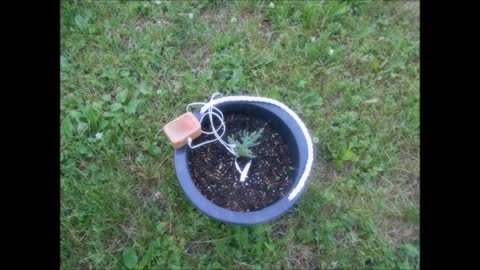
(236,166)
(245,172)
(189,141)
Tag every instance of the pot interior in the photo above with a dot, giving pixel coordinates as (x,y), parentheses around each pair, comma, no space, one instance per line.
(252,110)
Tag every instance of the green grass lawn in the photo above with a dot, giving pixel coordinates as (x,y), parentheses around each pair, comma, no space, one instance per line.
(349,69)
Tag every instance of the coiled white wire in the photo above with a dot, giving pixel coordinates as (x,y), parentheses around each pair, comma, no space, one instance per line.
(212,111)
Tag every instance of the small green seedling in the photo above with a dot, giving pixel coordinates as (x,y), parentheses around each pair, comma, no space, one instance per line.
(249,139)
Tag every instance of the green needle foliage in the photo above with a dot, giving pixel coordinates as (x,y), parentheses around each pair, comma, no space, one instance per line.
(249,140)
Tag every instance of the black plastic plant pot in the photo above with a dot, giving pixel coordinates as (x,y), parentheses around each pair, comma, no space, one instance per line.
(293,132)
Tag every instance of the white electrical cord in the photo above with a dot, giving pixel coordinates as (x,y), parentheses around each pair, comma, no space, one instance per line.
(211,113)
(210,110)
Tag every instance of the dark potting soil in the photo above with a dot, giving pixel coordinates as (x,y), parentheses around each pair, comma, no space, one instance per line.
(213,168)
